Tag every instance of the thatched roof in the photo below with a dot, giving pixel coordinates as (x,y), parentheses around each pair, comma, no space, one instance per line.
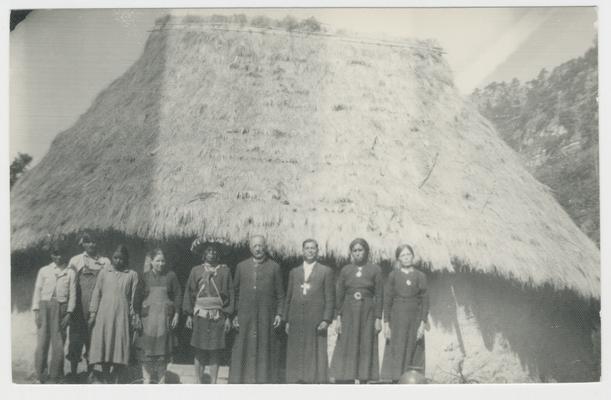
(228,130)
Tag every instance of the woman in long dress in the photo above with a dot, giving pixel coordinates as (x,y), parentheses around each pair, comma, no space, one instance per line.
(208,303)
(359,318)
(161,300)
(113,315)
(406,307)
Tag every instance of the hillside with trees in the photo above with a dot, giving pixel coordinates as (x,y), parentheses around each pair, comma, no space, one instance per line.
(19,166)
(552,122)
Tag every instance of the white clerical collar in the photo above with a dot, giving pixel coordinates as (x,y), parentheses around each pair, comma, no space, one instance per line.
(260,261)
(308,265)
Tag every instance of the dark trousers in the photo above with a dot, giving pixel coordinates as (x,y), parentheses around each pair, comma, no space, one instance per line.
(50,334)
(79,337)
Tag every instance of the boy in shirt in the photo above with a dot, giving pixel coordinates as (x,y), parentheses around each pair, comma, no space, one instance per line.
(53,303)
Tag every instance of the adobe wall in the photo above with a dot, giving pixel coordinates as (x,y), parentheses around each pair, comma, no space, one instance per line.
(483,328)
(488,329)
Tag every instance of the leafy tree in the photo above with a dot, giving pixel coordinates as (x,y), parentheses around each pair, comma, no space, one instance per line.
(310,25)
(19,166)
(289,23)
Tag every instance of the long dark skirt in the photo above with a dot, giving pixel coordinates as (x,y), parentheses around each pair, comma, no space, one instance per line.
(356,351)
(404,352)
(208,334)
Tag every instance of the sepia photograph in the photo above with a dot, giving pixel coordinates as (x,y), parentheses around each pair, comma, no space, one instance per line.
(341,196)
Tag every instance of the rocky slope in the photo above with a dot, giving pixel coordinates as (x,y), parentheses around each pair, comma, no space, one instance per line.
(552,122)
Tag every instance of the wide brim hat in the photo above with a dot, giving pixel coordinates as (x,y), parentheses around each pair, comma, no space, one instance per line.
(200,243)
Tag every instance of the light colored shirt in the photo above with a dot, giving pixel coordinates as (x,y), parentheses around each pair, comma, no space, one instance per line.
(80,260)
(53,282)
(307,270)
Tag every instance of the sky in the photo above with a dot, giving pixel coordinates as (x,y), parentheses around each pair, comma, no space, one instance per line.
(61,59)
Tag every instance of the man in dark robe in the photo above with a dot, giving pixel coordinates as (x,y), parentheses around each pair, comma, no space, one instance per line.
(259,299)
(308,312)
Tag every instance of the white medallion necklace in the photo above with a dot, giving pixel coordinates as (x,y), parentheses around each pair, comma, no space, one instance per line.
(406,271)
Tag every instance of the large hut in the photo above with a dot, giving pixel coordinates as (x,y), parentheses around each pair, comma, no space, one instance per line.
(227,130)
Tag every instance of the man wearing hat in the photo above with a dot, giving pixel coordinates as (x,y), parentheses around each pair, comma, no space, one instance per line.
(259,296)
(208,304)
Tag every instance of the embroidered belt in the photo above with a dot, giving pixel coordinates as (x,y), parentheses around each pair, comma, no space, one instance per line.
(208,307)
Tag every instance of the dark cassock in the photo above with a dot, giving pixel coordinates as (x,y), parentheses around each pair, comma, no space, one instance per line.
(310,301)
(259,297)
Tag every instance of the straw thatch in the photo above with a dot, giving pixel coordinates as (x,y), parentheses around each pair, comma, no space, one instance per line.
(230,130)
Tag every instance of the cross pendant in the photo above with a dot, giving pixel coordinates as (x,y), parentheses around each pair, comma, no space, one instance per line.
(305,288)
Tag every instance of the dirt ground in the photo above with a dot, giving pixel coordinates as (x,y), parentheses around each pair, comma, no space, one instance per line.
(23,336)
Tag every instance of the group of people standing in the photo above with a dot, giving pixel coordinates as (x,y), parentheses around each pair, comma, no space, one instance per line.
(116,315)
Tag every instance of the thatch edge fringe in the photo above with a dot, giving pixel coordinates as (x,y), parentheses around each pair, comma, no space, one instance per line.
(456,265)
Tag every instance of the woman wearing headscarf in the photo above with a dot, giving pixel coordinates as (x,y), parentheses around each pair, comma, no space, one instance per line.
(114,316)
(208,304)
(359,318)
(160,297)
(406,308)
